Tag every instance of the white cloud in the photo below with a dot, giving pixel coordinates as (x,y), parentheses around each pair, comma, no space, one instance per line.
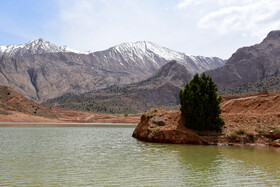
(256,18)
(185,3)
(99,24)
(190,26)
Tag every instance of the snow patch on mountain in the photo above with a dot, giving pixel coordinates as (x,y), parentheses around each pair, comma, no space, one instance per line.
(142,47)
(138,54)
(33,47)
(148,50)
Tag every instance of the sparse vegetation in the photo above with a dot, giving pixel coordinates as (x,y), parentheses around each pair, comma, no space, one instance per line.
(250,135)
(208,133)
(233,135)
(200,104)
(275,130)
(241,132)
(201,133)
(223,133)
(270,84)
(261,131)
(4,112)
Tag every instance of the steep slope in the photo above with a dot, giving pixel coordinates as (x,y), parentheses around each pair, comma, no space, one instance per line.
(40,70)
(149,54)
(250,64)
(11,100)
(44,76)
(162,88)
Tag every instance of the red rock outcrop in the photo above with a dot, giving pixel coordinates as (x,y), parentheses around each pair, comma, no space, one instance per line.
(168,127)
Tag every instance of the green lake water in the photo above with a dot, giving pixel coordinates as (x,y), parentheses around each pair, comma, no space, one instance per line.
(108,156)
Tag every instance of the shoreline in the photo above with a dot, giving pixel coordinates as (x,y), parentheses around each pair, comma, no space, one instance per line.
(66,124)
(168,127)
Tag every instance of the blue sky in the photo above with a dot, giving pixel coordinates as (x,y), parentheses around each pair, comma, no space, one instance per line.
(197,27)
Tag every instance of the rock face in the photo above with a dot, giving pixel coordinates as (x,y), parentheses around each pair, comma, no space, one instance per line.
(162,88)
(44,76)
(172,132)
(150,129)
(41,70)
(250,64)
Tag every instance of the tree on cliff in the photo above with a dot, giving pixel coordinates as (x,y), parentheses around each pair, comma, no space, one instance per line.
(200,104)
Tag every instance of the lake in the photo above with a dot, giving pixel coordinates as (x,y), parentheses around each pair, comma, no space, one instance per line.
(107,156)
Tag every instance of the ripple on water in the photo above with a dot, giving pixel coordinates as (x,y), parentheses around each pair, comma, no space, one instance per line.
(64,156)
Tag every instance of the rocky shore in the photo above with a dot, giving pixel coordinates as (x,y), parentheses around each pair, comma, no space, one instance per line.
(168,127)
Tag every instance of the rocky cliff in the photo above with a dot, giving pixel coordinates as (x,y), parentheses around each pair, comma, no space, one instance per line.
(250,64)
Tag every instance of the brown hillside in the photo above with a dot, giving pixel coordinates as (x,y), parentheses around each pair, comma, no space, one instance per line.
(253,113)
(16,108)
(253,104)
(11,100)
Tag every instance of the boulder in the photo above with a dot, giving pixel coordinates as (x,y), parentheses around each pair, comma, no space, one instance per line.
(276,143)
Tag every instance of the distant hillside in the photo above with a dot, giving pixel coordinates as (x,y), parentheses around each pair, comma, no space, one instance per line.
(11,100)
(162,88)
(271,84)
(250,64)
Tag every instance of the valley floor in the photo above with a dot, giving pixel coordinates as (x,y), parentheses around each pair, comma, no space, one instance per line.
(70,116)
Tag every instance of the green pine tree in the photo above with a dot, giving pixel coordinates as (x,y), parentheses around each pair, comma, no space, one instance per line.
(200,104)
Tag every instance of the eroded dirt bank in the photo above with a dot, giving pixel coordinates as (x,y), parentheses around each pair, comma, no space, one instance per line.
(248,121)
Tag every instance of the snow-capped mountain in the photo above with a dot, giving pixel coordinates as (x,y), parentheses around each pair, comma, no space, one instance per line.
(35,47)
(41,70)
(140,52)
(152,55)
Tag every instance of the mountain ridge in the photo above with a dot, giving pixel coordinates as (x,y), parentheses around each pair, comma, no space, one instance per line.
(52,72)
(195,64)
(250,64)
(33,47)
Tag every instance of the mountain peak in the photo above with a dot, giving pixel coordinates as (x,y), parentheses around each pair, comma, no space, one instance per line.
(145,47)
(173,71)
(41,40)
(148,51)
(33,47)
(273,35)
(250,64)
